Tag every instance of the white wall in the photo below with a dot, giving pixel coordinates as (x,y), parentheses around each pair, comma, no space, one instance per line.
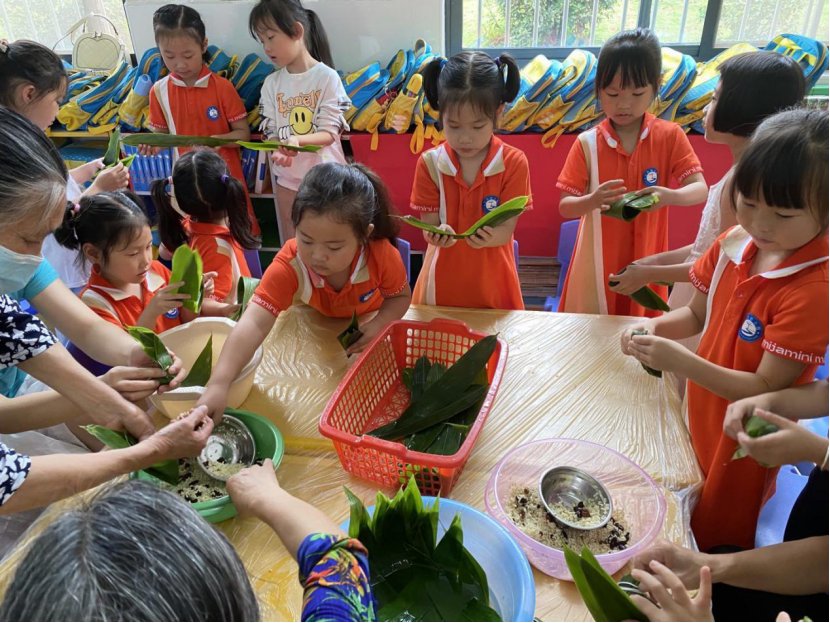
(359,31)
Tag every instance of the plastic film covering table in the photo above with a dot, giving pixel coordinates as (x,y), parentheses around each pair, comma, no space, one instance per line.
(565,377)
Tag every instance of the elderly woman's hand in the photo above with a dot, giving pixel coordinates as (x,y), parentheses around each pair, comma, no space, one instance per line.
(183,437)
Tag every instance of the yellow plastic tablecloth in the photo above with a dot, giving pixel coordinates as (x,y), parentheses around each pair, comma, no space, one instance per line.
(565,377)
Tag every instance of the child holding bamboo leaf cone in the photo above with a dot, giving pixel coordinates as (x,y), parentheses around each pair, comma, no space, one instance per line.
(761,304)
(342,262)
(630,151)
(465,178)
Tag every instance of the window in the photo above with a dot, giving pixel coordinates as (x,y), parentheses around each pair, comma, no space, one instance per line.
(697,27)
(27,19)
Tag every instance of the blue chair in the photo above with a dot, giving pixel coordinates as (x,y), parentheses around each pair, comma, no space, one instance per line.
(822,371)
(774,515)
(95,367)
(254,265)
(516,252)
(404,248)
(567,240)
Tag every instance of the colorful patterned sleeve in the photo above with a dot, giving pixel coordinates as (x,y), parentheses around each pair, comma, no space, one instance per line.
(335,577)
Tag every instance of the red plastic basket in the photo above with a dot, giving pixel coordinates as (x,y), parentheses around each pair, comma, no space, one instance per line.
(372,394)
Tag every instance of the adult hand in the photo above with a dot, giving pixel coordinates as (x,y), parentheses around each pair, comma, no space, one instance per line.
(482,238)
(792,443)
(439,240)
(134,384)
(253,488)
(673,601)
(183,437)
(684,562)
(139,359)
(113,178)
(606,194)
(632,278)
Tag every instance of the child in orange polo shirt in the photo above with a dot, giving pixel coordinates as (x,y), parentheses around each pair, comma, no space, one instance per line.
(127,287)
(630,150)
(191,100)
(202,206)
(461,180)
(761,302)
(343,261)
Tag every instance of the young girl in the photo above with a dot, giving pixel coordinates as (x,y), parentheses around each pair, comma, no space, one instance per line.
(460,181)
(343,261)
(762,306)
(33,83)
(752,87)
(303,102)
(630,150)
(191,99)
(127,286)
(202,206)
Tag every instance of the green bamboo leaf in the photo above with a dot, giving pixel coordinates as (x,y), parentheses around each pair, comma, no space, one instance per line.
(754,427)
(645,296)
(245,288)
(585,589)
(411,220)
(616,604)
(272,145)
(187,267)
(174,140)
(199,374)
(108,437)
(154,348)
(350,334)
(113,149)
(406,378)
(419,377)
(630,205)
(128,160)
(650,370)
(499,215)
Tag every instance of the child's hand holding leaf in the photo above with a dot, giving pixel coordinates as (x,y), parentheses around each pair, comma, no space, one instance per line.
(791,443)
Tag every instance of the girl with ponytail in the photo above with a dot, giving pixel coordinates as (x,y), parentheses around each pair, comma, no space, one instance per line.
(460,181)
(203,206)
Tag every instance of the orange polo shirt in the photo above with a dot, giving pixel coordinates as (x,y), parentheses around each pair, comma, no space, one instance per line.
(782,311)
(122,309)
(663,156)
(377,272)
(460,276)
(205,109)
(221,254)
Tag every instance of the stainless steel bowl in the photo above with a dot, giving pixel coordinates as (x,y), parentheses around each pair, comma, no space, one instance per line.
(230,443)
(569,487)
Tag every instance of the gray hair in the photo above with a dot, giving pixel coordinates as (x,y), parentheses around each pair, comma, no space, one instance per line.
(132,553)
(32,172)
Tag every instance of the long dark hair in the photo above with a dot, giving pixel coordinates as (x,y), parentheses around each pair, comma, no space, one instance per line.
(471,78)
(177,19)
(351,194)
(104,220)
(26,62)
(786,163)
(206,191)
(285,14)
(635,55)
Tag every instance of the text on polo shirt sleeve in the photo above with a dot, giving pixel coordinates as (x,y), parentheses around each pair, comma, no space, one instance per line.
(156,119)
(275,292)
(232,105)
(391,270)
(684,160)
(792,333)
(425,196)
(704,268)
(573,179)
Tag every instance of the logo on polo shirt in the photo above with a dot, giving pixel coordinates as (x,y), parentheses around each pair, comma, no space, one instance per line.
(650,177)
(173,313)
(490,203)
(212,113)
(751,330)
(366,296)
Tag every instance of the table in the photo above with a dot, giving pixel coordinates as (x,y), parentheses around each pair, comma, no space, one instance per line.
(565,377)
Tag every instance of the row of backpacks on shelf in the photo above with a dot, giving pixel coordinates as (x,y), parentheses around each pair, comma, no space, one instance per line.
(555,96)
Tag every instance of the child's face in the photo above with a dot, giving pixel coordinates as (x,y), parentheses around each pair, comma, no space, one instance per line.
(625,107)
(325,245)
(42,110)
(282,49)
(776,229)
(468,130)
(127,263)
(712,135)
(182,55)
